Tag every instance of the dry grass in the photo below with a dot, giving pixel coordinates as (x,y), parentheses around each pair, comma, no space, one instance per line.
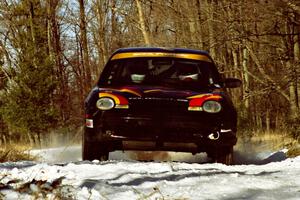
(14,153)
(294,151)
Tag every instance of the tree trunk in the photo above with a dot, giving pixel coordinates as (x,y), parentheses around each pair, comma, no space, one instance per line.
(297,71)
(78,67)
(199,20)
(192,19)
(102,47)
(268,120)
(84,48)
(114,28)
(142,23)
(292,96)
(32,31)
(246,81)
(212,37)
(31,139)
(235,63)
(55,52)
(3,141)
(49,29)
(235,94)
(39,140)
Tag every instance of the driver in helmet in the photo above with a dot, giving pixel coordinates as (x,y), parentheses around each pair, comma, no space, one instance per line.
(138,72)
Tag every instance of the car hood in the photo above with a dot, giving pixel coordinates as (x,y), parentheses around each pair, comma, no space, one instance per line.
(151,92)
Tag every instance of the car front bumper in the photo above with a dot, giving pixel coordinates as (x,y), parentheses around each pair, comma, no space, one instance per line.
(192,132)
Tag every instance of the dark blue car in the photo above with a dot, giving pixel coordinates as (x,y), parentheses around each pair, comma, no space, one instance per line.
(160,99)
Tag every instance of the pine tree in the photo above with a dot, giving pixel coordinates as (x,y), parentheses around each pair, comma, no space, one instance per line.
(27,100)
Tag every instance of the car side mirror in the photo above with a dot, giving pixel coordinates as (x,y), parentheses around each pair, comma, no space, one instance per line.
(232,83)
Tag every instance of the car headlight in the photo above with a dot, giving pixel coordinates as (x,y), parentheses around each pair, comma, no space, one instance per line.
(105,103)
(212,106)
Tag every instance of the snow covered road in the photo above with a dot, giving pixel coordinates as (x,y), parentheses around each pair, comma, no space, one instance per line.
(117,179)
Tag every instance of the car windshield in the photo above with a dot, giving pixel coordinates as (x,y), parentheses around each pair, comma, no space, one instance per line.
(161,72)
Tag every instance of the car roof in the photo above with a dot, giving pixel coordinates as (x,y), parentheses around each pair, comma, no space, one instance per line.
(160,49)
(135,52)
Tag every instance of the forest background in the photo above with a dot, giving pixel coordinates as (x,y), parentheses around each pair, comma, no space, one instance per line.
(52,52)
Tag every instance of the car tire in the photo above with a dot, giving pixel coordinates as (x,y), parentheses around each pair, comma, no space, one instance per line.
(93,150)
(224,157)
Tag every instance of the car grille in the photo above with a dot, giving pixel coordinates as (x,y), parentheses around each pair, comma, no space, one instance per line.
(151,105)
(165,115)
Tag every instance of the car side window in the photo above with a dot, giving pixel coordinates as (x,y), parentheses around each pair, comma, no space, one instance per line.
(114,73)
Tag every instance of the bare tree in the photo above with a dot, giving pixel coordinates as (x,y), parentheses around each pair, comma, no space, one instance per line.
(84,47)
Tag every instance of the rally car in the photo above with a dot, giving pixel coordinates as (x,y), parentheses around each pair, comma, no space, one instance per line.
(160,99)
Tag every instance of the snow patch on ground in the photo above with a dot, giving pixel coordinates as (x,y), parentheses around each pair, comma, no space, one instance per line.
(258,173)
(150,180)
